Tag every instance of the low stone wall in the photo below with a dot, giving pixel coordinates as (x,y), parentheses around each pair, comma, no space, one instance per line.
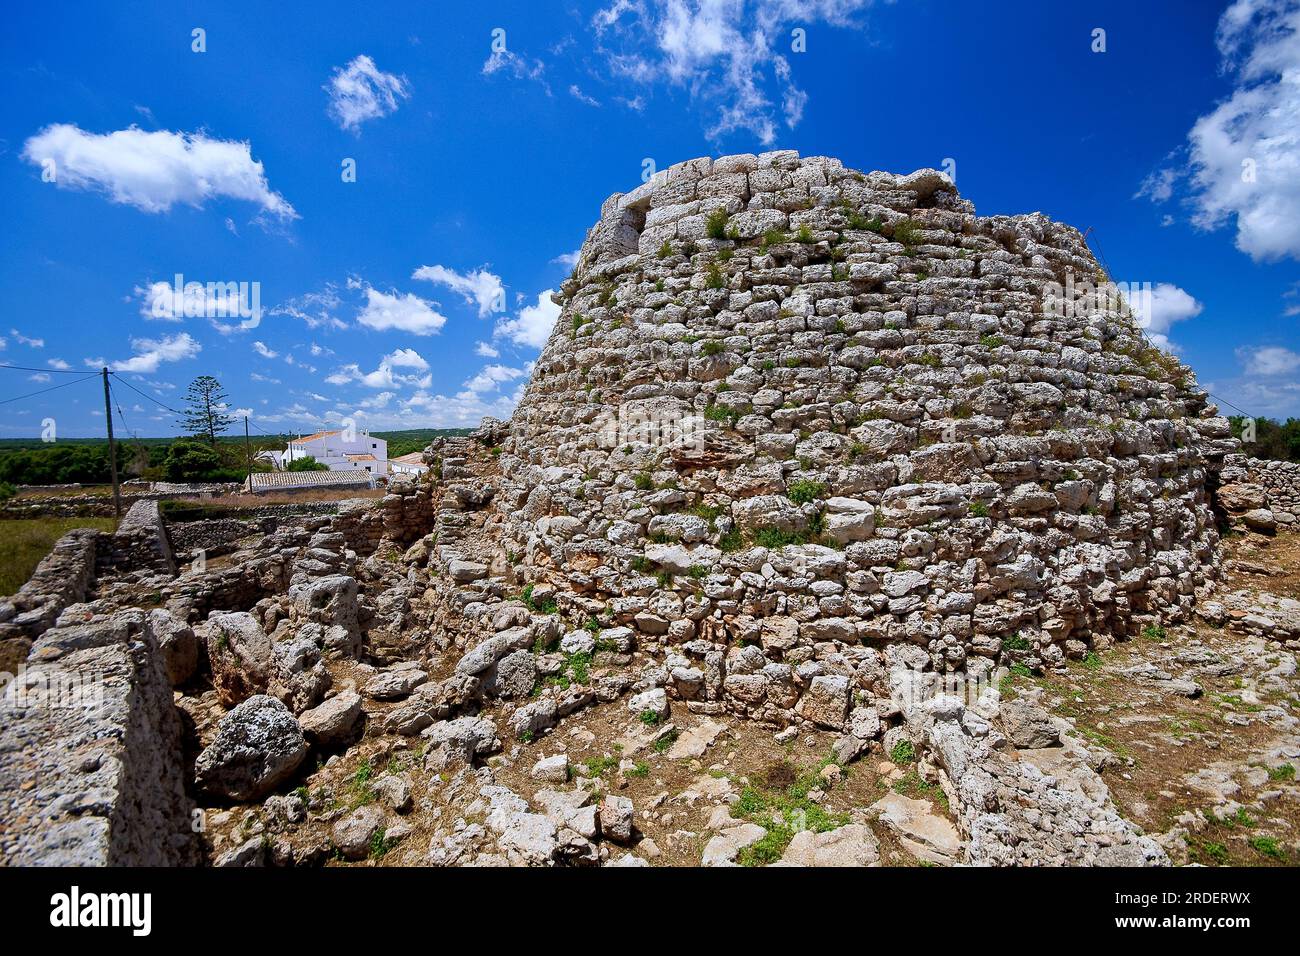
(63,577)
(1260,494)
(361,523)
(140,542)
(211,534)
(65,506)
(90,761)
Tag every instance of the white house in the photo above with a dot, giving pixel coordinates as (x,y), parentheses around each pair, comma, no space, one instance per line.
(338,452)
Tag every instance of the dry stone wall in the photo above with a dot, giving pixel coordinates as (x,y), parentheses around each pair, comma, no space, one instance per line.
(63,577)
(1259,494)
(90,758)
(140,542)
(808,412)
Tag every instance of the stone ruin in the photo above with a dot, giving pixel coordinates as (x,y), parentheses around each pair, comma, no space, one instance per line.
(814,448)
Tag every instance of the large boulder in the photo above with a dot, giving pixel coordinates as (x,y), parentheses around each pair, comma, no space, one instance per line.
(178,644)
(331,601)
(334,721)
(239,653)
(259,745)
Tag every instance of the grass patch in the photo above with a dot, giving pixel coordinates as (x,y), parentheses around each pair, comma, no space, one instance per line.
(25,541)
(784,811)
(664,743)
(903,752)
(544,607)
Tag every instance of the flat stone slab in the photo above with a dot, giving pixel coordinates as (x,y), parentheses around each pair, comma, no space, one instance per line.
(923,833)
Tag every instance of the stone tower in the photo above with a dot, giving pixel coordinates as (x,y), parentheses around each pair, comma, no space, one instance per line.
(798,415)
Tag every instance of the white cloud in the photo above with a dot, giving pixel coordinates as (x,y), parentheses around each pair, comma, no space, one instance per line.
(568,259)
(489,379)
(407,358)
(406,313)
(154,171)
(151,353)
(1167,304)
(520,67)
(58,363)
(1159,184)
(479,287)
(38,377)
(1269,360)
(1243,160)
(160,302)
(725,53)
(383,376)
(533,325)
(316,309)
(485,350)
(266,353)
(25,340)
(361,91)
(576,92)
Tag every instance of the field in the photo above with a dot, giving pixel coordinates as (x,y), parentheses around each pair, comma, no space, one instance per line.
(24,542)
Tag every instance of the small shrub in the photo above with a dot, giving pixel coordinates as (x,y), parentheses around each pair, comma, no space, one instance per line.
(665,250)
(712,347)
(907,232)
(803,491)
(903,752)
(715,226)
(713,278)
(979,509)
(644,482)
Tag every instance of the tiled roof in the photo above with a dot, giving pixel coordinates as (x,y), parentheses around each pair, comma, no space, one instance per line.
(315,436)
(360,457)
(414,458)
(270,480)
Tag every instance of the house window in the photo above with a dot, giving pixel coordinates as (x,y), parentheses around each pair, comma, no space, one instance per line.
(374,446)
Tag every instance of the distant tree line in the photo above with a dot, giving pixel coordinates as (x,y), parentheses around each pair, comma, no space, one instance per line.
(1279,441)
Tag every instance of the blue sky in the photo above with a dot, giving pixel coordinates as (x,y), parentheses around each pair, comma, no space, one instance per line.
(416,295)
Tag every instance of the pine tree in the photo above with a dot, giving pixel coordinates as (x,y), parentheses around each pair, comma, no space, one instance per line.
(205,412)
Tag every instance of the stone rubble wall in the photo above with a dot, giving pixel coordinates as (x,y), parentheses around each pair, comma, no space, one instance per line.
(211,534)
(853,420)
(63,577)
(140,541)
(1260,494)
(90,760)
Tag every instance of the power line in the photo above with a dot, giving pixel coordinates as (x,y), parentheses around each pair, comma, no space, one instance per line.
(19,398)
(145,394)
(29,368)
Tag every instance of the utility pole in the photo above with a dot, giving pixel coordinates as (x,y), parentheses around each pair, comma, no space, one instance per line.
(112,446)
(248,455)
